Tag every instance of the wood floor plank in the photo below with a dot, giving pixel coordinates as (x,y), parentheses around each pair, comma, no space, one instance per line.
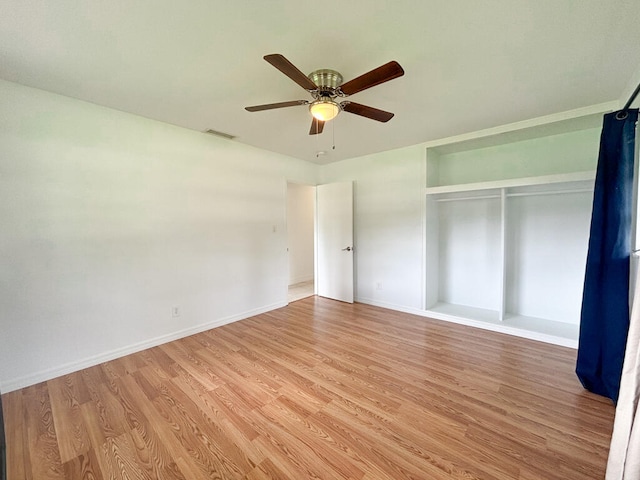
(153,456)
(95,430)
(122,459)
(42,438)
(319,389)
(161,363)
(196,438)
(85,466)
(266,470)
(16,435)
(209,430)
(161,428)
(71,434)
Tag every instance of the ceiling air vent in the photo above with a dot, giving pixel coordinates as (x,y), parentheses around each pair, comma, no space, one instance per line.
(219,134)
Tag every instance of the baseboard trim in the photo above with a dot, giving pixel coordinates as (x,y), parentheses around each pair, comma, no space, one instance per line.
(516,332)
(44,375)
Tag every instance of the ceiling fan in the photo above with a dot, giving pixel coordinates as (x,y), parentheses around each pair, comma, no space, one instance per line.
(325,86)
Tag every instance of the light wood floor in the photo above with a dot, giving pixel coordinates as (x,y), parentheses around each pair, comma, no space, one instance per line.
(317,390)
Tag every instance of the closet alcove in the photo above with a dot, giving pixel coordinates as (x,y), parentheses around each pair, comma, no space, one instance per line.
(507,227)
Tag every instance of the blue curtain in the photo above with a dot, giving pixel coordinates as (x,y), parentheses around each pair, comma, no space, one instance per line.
(604,319)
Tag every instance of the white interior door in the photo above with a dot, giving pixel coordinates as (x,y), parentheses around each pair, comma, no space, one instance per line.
(335,241)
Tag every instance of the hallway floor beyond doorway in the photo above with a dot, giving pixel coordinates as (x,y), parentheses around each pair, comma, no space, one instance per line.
(301,290)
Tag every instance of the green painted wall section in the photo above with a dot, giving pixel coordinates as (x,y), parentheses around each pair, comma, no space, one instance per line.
(563,153)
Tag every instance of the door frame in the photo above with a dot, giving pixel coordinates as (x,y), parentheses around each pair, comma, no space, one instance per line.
(315,234)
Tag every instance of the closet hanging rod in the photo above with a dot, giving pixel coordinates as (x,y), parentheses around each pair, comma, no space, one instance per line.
(518,194)
(550,192)
(460,199)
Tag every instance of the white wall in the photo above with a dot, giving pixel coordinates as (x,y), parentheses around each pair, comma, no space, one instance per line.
(109,220)
(300,231)
(389,225)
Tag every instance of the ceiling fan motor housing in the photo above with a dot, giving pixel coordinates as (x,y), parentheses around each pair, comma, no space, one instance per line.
(325,108)
(326,79)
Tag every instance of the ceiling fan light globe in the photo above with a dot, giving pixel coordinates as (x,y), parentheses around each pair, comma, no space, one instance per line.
(324,110)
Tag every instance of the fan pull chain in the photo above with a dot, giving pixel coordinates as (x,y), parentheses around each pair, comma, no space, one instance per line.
(333,134)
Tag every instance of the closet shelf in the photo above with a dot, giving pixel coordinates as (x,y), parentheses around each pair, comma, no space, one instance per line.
(513,182)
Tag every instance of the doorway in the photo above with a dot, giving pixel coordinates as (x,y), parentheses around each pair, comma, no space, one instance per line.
(301,201)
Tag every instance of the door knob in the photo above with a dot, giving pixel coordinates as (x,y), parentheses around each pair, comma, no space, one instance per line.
(348,249)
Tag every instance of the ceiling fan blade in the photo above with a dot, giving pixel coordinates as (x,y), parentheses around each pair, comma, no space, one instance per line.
(290,70)
(379,75)
(316,126)
(271,106)
(365,111)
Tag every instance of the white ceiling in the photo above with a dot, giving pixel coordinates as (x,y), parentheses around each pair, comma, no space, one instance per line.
(469,64)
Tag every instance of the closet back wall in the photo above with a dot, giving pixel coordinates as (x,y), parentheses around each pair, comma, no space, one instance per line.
(548,238)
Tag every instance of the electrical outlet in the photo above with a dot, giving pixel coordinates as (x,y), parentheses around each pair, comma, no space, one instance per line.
(379,286)
(175,311)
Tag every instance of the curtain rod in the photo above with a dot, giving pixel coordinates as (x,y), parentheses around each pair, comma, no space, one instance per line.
(632,98)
